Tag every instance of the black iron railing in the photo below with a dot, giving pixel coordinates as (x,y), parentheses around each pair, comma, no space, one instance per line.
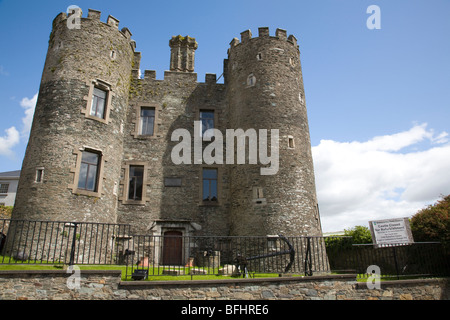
(72,243)
(237,256)
(419,259)
(61,242)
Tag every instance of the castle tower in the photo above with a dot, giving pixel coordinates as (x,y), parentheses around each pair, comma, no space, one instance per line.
(265,90)
(72,164)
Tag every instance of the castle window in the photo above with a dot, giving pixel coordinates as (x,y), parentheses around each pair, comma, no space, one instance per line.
(292,61)
(209,188)
(4,187)
(207,120)
(89,170)
(259,56)
(147,121)
(258,196)
(251,80)
(291,144)
(88,175)
(39,174)
(98,105)
(98,101)
(136,182)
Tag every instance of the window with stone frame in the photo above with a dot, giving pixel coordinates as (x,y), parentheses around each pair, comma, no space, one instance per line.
(210,189)
(251,80)
(39,175)
(89,171)
(147,121)
(135,182)
(98,103)
(291,143)
(207,119)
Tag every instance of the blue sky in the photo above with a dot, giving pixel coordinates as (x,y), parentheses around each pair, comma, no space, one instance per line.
(378,100)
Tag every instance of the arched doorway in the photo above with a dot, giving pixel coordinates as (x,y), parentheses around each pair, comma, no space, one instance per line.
(173,248)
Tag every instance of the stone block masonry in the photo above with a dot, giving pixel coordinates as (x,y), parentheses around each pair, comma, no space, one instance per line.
(107,285)
(102,136)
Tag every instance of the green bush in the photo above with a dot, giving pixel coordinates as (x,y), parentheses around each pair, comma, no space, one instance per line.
(432,223)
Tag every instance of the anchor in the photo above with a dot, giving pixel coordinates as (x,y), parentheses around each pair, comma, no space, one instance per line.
(242,261)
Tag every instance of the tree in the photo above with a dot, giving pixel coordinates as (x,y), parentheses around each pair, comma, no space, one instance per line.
(432,223)
(360,234)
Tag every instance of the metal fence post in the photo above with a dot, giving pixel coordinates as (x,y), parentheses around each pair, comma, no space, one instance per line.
(308,265)
(74,238)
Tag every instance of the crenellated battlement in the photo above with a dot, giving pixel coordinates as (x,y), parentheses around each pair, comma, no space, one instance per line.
(263,32)
(93,15)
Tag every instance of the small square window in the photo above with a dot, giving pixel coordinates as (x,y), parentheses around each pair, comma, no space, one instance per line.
(251,80)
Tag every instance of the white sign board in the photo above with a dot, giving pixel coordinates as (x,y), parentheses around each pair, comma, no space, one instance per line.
(391,231)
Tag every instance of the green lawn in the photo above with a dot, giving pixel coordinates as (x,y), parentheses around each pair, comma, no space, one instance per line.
(155,274)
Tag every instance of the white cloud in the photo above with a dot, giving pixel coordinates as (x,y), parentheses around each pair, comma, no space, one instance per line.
(362,181)
(29,106)
(12,136)
(8,141)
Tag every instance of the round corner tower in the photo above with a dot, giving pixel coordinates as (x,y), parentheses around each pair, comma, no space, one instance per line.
(72,163)
(265,91)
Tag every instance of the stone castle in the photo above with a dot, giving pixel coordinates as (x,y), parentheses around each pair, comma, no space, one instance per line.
(103,140)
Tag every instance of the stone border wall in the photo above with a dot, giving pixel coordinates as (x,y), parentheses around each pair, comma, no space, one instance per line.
(107,285)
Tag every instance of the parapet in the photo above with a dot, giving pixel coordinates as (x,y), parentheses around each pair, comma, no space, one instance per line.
(263,32)
(93,15)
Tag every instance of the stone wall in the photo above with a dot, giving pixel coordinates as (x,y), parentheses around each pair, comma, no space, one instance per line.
(107,285)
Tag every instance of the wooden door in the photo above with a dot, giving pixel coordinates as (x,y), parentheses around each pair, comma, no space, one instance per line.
(173,248)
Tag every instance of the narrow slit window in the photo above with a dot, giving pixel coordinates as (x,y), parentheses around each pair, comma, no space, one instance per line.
(251,80)
(291,143)
(39,174)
